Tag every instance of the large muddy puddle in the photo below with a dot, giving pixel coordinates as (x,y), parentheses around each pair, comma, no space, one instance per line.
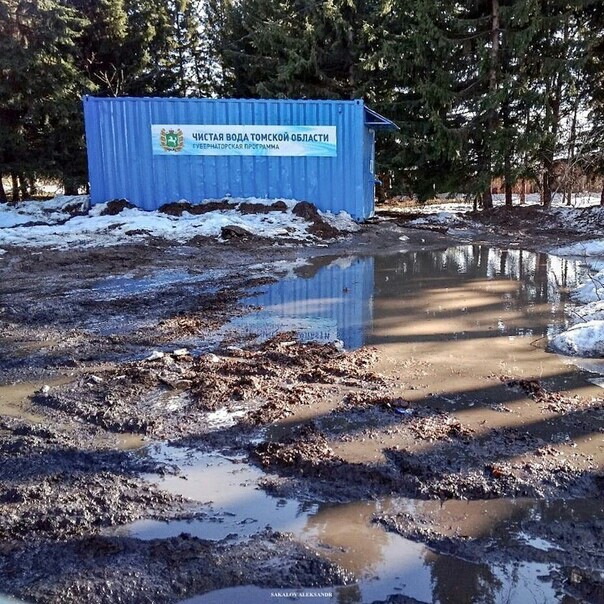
(385,563)
(456,320)
(461,293)
(463,314)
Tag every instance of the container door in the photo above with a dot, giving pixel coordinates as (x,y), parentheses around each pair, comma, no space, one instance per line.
(369,172)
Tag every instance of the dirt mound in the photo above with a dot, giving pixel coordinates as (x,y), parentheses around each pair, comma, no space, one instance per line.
(306,210)
(535,220)
(363,400)
(177,208)
(54,487)
(556,402)
(502,463)
(232,231)
(308,454)
(171,394)
(115,206)
(319,227)
(102,569)
(261,208)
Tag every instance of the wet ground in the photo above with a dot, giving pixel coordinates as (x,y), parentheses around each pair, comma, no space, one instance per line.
(329,425)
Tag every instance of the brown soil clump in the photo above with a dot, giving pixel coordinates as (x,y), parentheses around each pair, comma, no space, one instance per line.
(177,208)
(51,488)
(170,395)
(116,206)
(319,226)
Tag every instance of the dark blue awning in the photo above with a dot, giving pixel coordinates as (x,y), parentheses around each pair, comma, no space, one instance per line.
(378,122)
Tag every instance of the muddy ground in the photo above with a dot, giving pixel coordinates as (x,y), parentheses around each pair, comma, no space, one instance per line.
(105,350)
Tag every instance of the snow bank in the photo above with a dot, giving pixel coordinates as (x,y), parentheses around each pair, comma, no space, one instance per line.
(445,219)
(595,247)
(52,224)
(457,204)
(51,211)
(590,291)
(583,339)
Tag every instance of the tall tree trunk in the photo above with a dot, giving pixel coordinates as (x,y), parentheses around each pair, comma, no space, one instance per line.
(487,198)
(3,197)
(507,178)
(541,274)
(70,186)
(602,194)
(15,186)
(523,191)
(552,111)
(351,59)
(547,155)
(546,179)
(494,46)
(571,154)
(33,187)
(503,262)
(508,183)
(509,202)
(23,186)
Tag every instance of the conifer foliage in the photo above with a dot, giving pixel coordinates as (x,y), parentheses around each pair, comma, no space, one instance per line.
(482,90)
(38,84)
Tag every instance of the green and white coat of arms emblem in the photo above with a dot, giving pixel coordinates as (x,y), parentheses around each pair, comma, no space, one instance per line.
(172,140)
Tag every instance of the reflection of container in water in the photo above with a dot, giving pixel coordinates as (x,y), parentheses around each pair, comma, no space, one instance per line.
(335,303)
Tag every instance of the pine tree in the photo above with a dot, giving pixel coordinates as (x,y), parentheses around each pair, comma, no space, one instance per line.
(127,47)
(39,87)
(415,67)
(291,48)
(595,81)
(555,65)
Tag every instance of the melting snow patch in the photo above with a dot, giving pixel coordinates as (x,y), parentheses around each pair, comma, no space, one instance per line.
(584,339)
(590,291)
(51,211)
(440,218)
(449,219)
(582,249)
(52,223)
(342,221)
(225,418)
(538,543)
(594,311)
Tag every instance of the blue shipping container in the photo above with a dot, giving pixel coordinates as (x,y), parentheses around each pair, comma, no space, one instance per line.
(153,151)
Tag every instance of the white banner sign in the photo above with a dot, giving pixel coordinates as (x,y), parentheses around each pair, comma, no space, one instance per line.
(294,141)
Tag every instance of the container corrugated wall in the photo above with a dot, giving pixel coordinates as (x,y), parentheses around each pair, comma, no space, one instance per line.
(122,163)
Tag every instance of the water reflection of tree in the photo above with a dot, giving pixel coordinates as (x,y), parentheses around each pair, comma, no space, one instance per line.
(503,261)
(355,542)
(541,279)
(540,275)
(455,580)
